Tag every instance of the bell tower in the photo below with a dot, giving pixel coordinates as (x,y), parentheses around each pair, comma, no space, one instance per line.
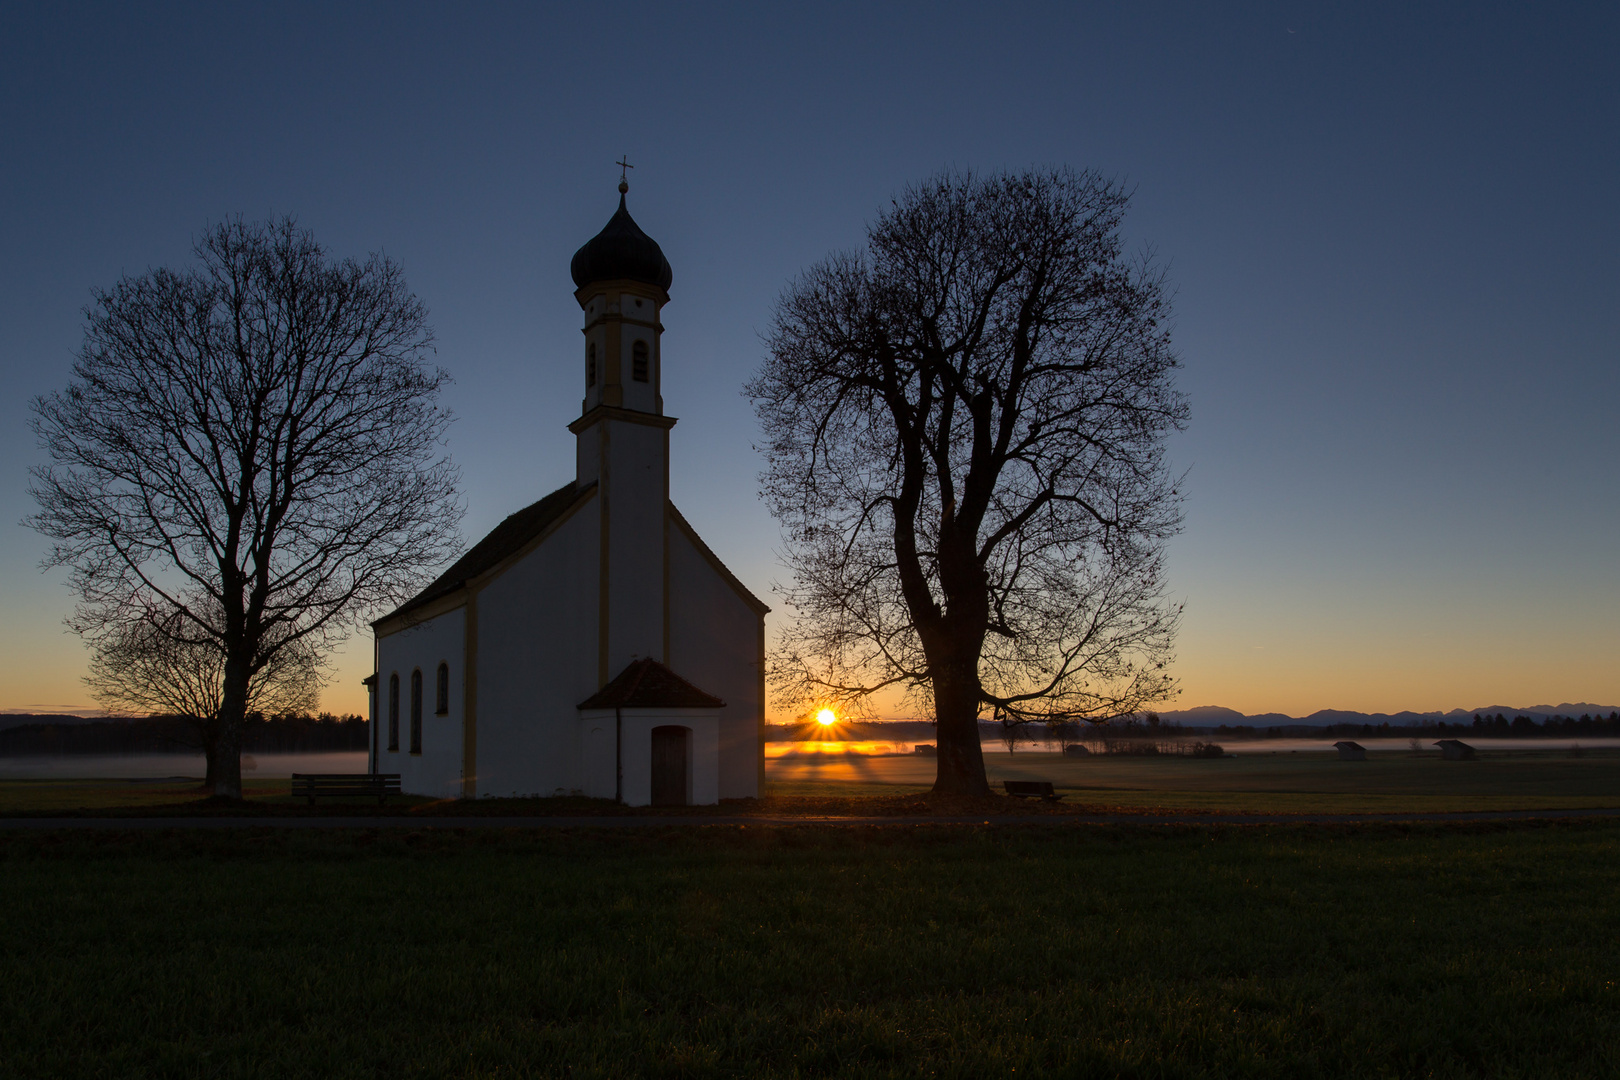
(622,284)
(621,281)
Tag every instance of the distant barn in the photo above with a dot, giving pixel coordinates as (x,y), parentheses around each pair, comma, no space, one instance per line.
(1076,750)
(1350,751)
(1455,750)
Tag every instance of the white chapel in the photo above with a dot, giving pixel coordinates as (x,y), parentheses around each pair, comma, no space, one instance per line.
(591,644)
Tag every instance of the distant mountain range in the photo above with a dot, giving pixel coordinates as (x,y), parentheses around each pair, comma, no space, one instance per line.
(1215,715)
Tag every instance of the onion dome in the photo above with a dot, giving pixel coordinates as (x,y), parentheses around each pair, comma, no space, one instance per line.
(621,252)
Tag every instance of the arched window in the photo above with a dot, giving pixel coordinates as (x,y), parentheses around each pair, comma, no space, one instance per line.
(393,711)
(638,361)
(416,711)
(441,696)
(590,364)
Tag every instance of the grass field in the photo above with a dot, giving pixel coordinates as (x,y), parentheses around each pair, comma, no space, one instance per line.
(1258,782)
(1254,782)
(54,796)
(1291,951)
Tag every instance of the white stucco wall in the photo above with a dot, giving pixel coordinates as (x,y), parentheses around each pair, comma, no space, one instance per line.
(436,771)
(598,757)
(702,777)
(715,645)
(537,660)
(595,335)
(588,454)
(633,485)
(641,396)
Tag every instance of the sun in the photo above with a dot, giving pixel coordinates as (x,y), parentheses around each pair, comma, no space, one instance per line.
(826,718)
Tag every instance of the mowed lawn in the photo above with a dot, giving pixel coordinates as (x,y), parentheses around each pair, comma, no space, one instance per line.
(1254,780)
(1278,951)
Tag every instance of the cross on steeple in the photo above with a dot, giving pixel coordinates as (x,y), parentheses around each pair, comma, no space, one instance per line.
(624,181)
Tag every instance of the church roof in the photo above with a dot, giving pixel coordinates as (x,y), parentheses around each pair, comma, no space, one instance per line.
(647,684)
(503,540)
(621,252)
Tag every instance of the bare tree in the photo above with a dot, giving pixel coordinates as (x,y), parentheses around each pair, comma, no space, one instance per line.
(1064,732)
(153,662)
(249,457)
(1013,727)
(964,427)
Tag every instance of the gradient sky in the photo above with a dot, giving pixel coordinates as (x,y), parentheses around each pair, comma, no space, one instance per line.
(1392,229)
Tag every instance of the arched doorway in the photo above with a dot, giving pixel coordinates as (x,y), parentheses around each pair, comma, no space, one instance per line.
(671,754)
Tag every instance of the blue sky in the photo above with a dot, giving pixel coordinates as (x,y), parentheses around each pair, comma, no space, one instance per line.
(1392,230)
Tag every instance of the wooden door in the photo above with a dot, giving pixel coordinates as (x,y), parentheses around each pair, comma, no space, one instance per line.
(669,755)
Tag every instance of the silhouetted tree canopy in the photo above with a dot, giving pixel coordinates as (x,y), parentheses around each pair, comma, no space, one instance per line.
(965,428)
(247,461)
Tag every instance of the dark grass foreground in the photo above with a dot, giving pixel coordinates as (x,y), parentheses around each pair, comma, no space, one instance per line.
(125,799)
(885,951)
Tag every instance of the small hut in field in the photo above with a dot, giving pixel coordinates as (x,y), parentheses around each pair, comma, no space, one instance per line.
(1350,751)
(1455,750)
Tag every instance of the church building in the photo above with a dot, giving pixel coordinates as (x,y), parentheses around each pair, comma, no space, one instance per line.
(591,644)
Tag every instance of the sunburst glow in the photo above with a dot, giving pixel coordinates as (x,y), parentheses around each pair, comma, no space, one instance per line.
(826,718)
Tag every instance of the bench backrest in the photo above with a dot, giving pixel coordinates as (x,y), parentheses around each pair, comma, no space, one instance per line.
(1027,787)
(365,781)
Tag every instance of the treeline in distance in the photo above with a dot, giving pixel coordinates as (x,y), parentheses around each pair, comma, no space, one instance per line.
(324,733)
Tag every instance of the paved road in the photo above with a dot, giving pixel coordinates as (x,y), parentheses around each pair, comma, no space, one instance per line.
(666,820)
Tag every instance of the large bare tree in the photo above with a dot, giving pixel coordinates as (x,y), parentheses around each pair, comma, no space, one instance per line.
(157,664)
(249,457)
(965,428)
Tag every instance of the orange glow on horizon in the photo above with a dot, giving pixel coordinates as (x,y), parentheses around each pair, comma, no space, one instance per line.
(832,748)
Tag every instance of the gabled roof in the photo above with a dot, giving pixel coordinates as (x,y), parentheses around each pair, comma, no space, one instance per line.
(503,540)
(707,553)
(647,684)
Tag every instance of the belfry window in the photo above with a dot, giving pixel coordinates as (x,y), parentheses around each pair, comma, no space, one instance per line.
(416,711)
(590,364)
(638,361)
(393,711)
(441,696)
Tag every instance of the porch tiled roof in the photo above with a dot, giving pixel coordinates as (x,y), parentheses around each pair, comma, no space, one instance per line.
(647,684)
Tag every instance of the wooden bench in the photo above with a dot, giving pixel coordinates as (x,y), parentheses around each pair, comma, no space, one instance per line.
(310,785)
(1031,789)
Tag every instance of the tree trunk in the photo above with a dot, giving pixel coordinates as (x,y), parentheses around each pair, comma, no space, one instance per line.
(953,646)
(961,758)
(226,769)
(208,733)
